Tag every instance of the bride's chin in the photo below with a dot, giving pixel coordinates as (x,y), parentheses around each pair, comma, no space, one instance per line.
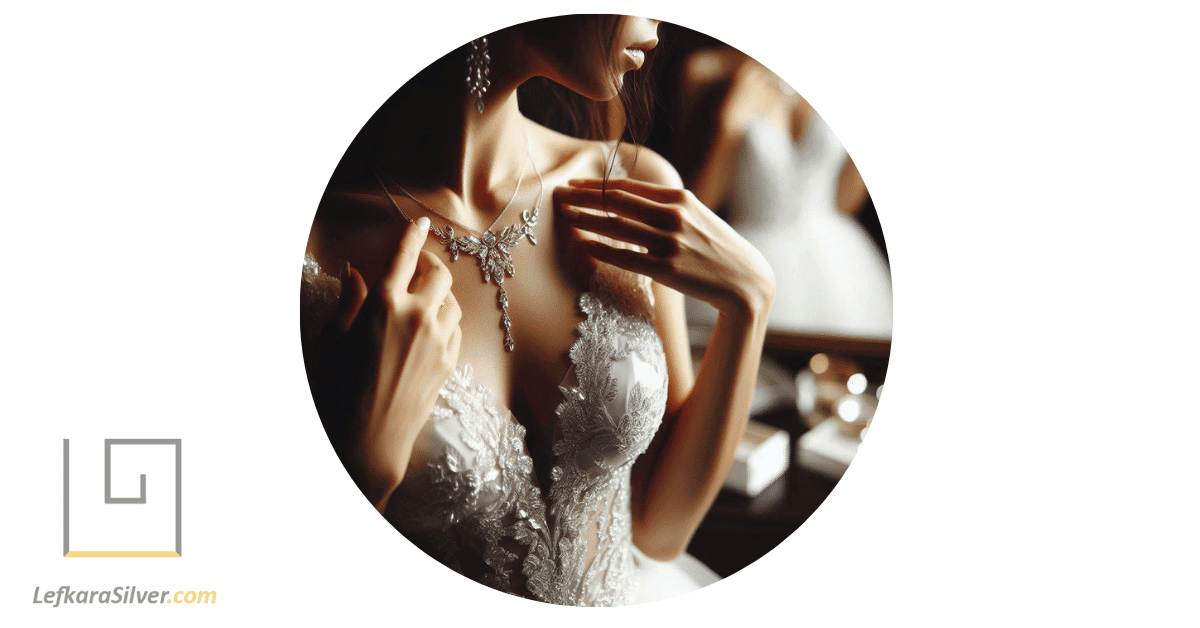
(609,94)
(618,84)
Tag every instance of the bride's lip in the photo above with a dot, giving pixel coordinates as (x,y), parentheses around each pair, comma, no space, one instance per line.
(637,55)
(646,45)
(637,52)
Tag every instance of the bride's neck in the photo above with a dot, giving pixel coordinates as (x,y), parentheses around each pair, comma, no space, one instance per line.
(439,146)
(491,149)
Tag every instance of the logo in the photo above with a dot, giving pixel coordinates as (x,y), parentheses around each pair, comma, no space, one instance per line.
(124,517)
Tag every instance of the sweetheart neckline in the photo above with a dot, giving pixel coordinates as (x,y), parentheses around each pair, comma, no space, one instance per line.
(479,490)
(590,305)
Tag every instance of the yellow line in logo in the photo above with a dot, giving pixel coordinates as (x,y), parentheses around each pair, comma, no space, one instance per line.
(122,555)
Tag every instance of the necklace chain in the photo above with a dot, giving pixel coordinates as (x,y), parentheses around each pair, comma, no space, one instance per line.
(451,222)
(489,248)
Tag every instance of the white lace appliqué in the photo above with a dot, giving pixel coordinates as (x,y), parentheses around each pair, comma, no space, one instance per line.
(475,503)
(476,507)
(471,497)
(607,419)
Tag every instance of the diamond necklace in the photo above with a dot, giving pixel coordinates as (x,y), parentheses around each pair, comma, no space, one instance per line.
(489,248)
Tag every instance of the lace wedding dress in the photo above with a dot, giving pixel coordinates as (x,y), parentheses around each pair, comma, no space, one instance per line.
(471,498)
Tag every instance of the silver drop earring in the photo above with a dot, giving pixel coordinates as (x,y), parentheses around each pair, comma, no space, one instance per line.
(477,71)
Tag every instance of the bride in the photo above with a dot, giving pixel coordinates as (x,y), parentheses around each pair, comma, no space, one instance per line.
(494,325)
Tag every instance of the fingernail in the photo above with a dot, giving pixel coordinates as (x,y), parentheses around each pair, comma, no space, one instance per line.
(423,223)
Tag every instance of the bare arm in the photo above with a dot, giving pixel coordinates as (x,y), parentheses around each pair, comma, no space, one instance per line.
(713,177)
(678,479)
(851,191)
(381,361)
(687,250)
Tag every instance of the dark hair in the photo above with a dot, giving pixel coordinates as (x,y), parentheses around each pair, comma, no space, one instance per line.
(566,111)
(563,110)
(541,99)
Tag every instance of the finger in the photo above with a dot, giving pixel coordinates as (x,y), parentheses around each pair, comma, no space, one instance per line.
(650,191)
(620,228)
(624,202)
(432,280)
(354,294)
(635,261)
(449,312)
(399,273)
(455,344)
(420,276)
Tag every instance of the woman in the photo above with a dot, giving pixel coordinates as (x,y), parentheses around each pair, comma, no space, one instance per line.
(762,152)
(498,422)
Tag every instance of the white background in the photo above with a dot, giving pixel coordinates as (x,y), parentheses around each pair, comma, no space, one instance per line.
(1032,165)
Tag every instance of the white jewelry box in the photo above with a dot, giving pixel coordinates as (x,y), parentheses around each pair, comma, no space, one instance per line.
(826,450)
(760,459)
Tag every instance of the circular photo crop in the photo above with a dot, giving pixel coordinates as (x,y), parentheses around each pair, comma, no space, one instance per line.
(596,310)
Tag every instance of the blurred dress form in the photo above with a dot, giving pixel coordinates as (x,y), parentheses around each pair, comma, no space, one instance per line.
(782,197)
(832,277)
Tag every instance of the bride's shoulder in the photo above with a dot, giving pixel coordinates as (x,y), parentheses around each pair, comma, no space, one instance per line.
(582,158)
(643,164)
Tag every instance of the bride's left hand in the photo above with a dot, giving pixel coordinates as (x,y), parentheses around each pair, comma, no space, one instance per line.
(681,243)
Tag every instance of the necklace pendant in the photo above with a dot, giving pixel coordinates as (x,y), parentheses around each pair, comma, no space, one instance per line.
(529,220)
(489,248)
(495,261)
(451,242)
(505,321)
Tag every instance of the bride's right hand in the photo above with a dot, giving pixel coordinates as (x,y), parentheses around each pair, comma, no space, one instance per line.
(405,331)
